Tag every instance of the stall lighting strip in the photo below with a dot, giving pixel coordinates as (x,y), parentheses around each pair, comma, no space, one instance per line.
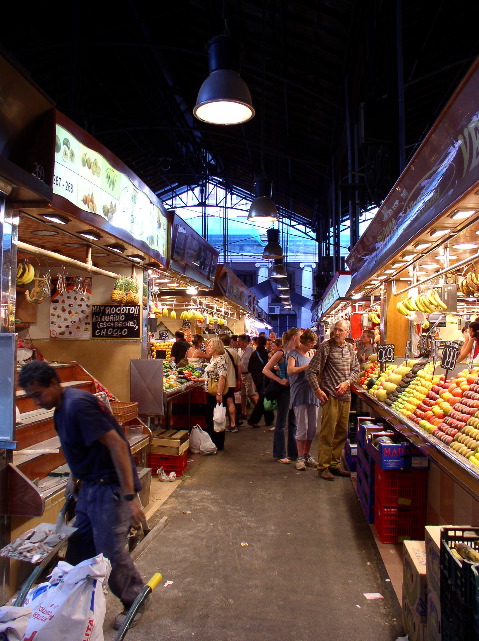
(462,263)
(31,249)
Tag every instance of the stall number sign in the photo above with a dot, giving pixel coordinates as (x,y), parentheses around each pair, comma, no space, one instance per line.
(449,356)
(386,353)
(115,321)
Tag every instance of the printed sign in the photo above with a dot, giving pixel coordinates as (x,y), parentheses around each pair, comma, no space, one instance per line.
(449,356)
(386,353)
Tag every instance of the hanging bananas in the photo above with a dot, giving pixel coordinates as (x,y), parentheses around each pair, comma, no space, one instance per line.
(427,303)
(469,285)
(374,318)
(25,273)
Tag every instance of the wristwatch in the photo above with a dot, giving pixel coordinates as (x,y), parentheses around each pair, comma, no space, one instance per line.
(129,497)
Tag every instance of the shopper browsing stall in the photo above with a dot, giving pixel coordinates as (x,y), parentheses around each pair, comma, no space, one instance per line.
(216,385)
(98,456)
(302,399)
(276,370)
(258,360)
(366,345)
(179,347)
(337,367)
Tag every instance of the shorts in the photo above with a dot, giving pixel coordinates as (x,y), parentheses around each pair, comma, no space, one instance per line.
(247,385)
(230,393)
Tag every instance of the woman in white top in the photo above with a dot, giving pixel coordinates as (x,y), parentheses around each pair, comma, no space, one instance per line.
(195,354)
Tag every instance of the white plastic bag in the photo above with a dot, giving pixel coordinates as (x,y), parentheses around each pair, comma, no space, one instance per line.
(200,441)
(71,605)
(13,622)
(219,418)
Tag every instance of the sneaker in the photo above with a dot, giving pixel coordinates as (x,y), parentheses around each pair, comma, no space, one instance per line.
(232,429)
(310,462)
(120,618)
(300,463)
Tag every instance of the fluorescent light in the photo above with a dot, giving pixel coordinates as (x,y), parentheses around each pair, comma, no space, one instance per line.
(422,245)
(56,218)
(116,247)
(191,290)
(91,235)
(389,271)
(437,232)
(397,265)
(465,246)
(429,266)
(138,258)
(461,214)
(408,256)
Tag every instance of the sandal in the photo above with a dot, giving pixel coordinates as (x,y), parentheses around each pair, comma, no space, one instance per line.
(283,460)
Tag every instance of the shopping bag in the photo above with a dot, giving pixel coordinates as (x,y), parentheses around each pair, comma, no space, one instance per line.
(72,600)
(200,441)
(270,406)
(219,418)
(13,622)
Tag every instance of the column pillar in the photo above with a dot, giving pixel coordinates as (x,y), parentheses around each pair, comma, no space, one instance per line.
(263,274)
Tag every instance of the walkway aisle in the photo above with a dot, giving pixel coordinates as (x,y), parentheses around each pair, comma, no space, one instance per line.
(257,551)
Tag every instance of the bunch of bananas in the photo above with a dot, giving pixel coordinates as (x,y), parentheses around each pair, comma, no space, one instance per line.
(427,303)
(373,317)
(25,273)
(469,285)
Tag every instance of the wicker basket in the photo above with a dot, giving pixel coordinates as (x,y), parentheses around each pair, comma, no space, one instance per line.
(124,412)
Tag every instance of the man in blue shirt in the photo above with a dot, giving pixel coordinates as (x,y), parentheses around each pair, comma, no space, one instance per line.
(100,459)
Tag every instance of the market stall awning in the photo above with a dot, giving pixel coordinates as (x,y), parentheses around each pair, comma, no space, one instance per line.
(336,291)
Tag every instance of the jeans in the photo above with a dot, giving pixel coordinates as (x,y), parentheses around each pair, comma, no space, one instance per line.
(102,522)
(259,411)
(218,438)
(284,418)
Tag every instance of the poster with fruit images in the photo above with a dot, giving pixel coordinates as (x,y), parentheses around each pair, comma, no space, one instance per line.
(70,308)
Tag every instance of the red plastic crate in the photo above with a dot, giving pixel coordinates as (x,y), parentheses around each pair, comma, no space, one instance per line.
(405,488)
(396,526)
(175,464)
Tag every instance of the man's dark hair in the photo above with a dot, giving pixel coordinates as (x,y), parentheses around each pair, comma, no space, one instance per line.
(179,334)
(225,339)
(261,341)
(234,337)
(244,337)
(262,334)
(37,371)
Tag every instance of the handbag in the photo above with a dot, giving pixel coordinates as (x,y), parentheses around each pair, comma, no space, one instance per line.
(272,390)
(212,387)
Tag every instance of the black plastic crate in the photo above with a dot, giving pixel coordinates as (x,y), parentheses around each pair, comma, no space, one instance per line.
(459,585)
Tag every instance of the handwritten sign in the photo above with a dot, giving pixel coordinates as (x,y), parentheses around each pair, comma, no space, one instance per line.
(386,353)
(115,321)
(449,356)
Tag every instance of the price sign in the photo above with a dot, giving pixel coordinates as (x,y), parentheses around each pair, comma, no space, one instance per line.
(449,356)
(386,353)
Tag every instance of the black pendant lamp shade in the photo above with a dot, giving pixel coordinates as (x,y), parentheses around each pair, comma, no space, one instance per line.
(273,249)
(224,98)
(263,208)
(279,270)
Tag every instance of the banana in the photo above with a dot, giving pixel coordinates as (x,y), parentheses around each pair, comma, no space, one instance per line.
(30,274)
(402,310)
(475,278)
(375,318)
(419,304)
(408,304)
(424,302)
(437,299)
(21,271)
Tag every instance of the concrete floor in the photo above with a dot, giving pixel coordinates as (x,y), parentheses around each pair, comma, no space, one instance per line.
(254,550)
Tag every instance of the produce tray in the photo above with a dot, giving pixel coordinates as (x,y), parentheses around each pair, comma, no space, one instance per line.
(40,555)
(124,411)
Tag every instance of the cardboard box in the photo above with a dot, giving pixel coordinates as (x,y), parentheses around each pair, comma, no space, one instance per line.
(433,558)
(397,455)
(414,578)
(433,625)
(414,628)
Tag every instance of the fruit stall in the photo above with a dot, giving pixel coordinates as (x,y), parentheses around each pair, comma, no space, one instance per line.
(419,256)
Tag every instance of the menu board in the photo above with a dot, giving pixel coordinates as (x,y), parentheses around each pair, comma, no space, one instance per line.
(115,321)
(85,178)
(191,254)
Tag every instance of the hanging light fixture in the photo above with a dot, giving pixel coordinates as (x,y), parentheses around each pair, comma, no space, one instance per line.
(279,270)
(224,98)
(273,249)
(263,208)
(282,285)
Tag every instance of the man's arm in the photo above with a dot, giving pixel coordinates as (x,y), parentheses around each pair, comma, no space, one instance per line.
(120,455)
(355,369)
(315,367)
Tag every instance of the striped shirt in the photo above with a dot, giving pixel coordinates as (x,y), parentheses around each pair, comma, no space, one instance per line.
(335,365)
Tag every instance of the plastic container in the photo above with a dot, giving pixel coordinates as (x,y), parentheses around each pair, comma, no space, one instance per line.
(401,488)
(396,526)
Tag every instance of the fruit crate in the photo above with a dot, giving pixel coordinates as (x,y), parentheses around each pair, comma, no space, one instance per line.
(367,426)
(364,459)
(350,455)
(401,488)
(366,498)
(123,411)
(459,585)
(175,464)
(394,525)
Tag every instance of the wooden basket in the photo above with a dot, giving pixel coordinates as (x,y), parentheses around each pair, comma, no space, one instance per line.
(124,412)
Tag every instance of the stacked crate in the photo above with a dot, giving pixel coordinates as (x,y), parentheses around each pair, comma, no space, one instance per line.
(169,450)
(459,585)
(365,469)
(400,488)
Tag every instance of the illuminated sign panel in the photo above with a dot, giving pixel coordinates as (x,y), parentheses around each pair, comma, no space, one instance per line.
(86,179)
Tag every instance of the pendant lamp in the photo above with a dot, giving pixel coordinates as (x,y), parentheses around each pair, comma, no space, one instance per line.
(273,248)
(263,208)
(282,285)
(224,98)
(279,270)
